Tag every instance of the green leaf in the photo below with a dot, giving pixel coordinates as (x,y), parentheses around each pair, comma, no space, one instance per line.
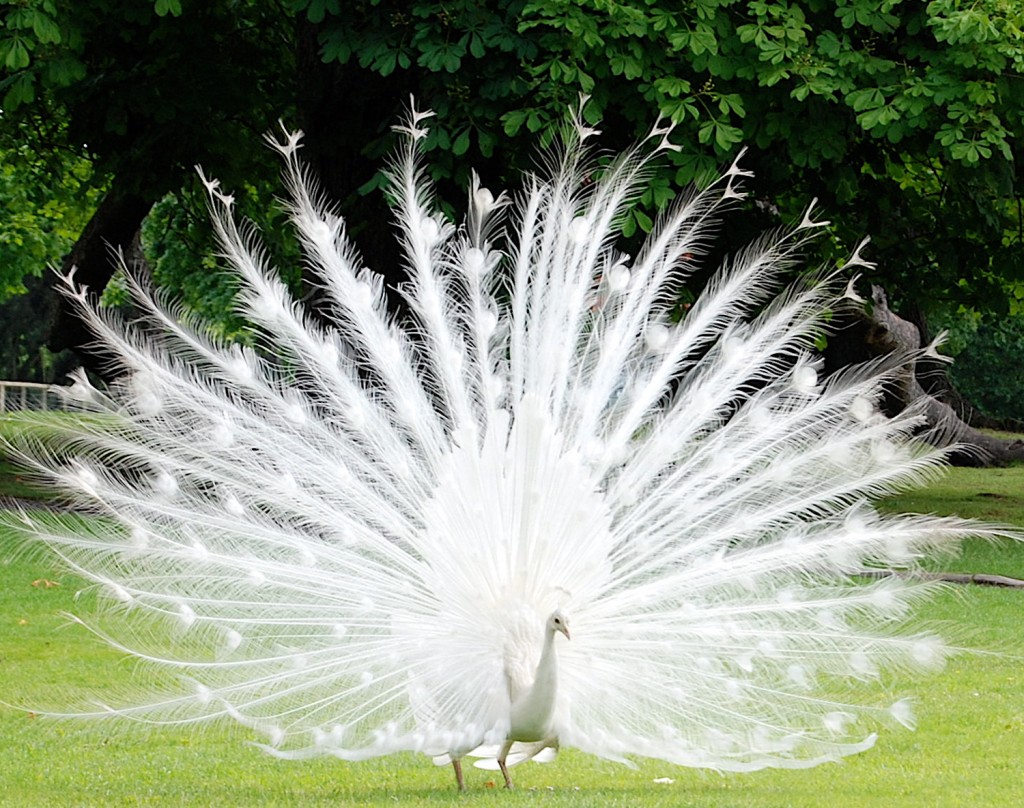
(629,225)
(46,30)
(21,90)
(626,65)
(726,136)
(949,133)
(513,121)
(335,47)
(733,103)
(318,9)
(970,151)
(461,143)
(828,43)
(867,98)
(378,180)
(476,46)
(643,221)
(20,19)
(706,132)
(63,71)
(680,110)
(165,7)
(679,40)
(749,33)
(385,61)
(703,40)
(593,112)
(15,53)
(486,141)
(672,86)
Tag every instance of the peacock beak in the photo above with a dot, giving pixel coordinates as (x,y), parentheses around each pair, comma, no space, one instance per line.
(565,630)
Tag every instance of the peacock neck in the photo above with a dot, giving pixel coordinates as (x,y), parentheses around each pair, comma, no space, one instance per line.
(532,711)
(546,676)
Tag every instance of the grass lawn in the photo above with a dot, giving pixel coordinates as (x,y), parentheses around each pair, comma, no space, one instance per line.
(968,748)
(14,483)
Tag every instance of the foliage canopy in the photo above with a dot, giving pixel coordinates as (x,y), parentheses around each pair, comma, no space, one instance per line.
(900,117)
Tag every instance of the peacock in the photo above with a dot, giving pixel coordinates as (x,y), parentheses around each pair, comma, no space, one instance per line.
(545,507)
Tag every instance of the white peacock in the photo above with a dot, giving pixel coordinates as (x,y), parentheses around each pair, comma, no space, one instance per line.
(367,534)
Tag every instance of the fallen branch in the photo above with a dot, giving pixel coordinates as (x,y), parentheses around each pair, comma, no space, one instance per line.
(979,578)
(882,332)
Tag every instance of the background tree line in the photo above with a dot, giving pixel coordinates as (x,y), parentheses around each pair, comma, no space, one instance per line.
(899,117)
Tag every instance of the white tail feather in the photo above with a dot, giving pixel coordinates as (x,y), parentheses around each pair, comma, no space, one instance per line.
(351,544)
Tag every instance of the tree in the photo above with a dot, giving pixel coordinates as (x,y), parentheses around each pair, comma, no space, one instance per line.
(898,117)
(144,92)
(47,199)
(46,204)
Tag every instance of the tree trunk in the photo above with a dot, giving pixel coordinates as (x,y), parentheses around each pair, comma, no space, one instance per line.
(879,331)
(342,110)
(111,229)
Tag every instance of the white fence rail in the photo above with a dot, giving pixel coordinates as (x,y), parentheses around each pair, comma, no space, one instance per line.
(29,396)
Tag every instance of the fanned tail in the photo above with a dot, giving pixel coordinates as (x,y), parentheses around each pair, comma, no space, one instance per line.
(348,534)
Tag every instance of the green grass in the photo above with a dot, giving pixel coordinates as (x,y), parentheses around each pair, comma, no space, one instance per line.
(990,495)
(967,749)
(13,480)
(12,484)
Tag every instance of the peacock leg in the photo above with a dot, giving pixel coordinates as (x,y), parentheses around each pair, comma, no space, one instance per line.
(457,765)
(501,763)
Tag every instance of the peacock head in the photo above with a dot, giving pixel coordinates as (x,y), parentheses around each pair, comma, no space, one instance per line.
(559,622)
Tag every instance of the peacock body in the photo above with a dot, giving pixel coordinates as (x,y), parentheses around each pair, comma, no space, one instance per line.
(354,536)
